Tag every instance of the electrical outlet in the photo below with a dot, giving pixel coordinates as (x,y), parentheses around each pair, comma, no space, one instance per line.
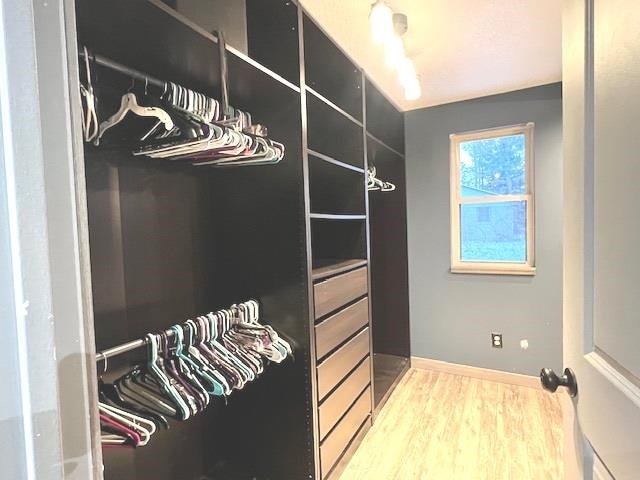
(496,340)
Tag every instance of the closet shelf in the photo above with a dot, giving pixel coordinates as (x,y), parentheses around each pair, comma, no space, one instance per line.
(182,19)
(169,18)
(331,216)
(333,161)
(328,268)
(381,143)
(262,68)
(329,103)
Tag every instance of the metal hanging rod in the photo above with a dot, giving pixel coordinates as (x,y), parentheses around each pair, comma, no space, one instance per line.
(120,349)
(132,345)
(118,67)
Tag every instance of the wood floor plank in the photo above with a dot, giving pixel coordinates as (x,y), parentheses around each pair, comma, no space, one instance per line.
(438,426)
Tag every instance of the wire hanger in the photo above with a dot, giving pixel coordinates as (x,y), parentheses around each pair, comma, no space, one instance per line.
(375,184)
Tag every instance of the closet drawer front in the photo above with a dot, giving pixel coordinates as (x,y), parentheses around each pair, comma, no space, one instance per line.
(335,292)
(341,362)
(336,443)
(339,401)
(337,328)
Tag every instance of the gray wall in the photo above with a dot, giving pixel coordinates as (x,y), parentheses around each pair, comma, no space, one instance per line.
(452,315)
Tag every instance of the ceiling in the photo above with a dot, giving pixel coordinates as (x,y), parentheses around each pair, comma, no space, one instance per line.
(462,49)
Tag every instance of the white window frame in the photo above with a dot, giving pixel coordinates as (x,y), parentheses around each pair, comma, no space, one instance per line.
(492,268)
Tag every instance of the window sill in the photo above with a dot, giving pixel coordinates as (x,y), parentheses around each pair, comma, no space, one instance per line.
(495,270)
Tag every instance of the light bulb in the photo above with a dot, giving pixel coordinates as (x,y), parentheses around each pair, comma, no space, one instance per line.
(394,51)
(406,71)
(381,19)
(412,89)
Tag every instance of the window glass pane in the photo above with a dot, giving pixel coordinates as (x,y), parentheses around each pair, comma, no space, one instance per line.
(493,232)
(493,166)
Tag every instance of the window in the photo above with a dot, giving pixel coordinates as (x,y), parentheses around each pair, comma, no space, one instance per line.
(492,201)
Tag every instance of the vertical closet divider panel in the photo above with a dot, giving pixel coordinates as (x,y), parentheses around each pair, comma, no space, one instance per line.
(389,261)
(336,160)
(313,341)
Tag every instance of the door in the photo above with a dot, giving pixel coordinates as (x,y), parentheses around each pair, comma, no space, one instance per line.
(601,75)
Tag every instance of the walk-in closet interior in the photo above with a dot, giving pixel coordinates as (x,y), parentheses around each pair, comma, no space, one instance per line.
(249,279)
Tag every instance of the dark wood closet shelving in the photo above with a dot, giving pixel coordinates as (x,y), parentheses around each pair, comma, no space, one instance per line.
(181,240)
(329,72)
(390,289)
(332,134)
(272,35)
(335,107)
(332,216)
(262,68)
(337,240)
(384,145)
(326,158)
(384,121)
(329,268)
(336,192)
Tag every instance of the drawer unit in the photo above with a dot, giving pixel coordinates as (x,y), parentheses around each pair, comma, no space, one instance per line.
(337,328)
(336,404)
(341,362)
(331,294)
(335,444)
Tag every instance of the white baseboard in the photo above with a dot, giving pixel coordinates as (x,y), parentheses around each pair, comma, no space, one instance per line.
(476,372)
(600,472)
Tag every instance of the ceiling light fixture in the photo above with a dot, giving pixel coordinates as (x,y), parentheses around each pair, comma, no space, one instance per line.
(394,54)
(406,71)
(413,89)
(381,19)
(387,29)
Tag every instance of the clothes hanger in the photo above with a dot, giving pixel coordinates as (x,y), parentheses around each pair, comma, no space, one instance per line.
(130,436)
(156,370)
(185,368)
(201,370)
(374,184)
(90,125)
(135,387)
(226,370)
(143,428)
(110,395)
(187,391)
(221,387)
(129,103)
(215,321)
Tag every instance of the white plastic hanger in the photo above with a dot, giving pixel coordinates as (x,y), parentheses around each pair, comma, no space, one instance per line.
(90,126)
(128,104)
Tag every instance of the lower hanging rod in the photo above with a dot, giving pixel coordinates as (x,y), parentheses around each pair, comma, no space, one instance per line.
(120,349)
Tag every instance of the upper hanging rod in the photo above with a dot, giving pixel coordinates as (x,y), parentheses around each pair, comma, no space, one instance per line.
(118,67)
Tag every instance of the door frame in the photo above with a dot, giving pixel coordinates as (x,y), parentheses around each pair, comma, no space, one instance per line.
(55,430)
(577,125)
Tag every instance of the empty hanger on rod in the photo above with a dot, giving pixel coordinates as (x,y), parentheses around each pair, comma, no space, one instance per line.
(375,184)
